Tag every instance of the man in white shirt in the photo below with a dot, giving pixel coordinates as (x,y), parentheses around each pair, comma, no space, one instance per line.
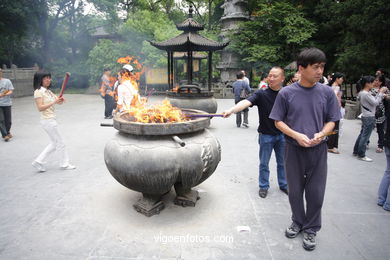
(6,89)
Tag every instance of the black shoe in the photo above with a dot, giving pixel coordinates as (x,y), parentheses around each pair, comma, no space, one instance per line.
(285,190)
(263,193)
(309,241)
(245,125)
(292,231)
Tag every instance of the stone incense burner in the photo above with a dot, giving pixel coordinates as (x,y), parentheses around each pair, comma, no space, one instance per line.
(151,158)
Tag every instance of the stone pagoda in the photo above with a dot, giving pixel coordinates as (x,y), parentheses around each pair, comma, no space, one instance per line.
(235,11)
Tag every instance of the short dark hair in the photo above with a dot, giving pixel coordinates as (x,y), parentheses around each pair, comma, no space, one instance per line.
(240,75)
(310,56)
(106,69)
(278,68)
(38,77)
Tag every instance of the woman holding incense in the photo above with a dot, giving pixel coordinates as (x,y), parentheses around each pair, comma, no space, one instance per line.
(45,101)
(368,104)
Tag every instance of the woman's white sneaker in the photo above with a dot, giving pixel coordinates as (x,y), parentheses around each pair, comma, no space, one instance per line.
(365,158)
(68,167)
(38,166)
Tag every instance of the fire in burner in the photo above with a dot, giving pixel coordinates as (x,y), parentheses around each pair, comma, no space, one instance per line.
(160,113)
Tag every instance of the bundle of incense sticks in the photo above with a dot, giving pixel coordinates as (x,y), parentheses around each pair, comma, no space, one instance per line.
(204,115)
(330,133)
(66,79)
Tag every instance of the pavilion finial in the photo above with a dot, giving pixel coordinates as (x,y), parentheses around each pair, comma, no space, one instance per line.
(191,10)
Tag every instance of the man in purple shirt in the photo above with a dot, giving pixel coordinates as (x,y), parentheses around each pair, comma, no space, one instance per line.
(306,112)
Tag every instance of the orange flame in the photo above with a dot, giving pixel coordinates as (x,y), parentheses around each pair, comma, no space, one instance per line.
(160,113)
(138,111)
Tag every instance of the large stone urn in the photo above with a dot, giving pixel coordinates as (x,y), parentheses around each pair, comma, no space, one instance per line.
(151,158)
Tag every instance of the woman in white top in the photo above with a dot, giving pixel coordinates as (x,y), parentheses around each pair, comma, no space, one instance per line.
(45,100)
(335,83)
(127,91)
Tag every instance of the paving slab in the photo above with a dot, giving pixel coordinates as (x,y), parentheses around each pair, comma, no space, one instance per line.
(87,214)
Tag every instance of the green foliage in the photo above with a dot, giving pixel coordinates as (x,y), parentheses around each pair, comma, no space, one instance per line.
(105,55)
(278,28)
(141,27)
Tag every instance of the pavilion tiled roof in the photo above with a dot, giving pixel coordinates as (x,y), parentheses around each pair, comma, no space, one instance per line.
(189,41)
(189,24)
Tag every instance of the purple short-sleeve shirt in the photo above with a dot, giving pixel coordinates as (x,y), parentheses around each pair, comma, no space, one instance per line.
(306,110)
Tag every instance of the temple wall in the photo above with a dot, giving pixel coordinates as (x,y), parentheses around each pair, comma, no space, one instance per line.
(22,80)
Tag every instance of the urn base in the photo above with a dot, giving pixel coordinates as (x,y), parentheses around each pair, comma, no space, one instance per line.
(149,205)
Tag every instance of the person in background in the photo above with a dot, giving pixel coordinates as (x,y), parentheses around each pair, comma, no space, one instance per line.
(241,91)
(245,78)
(263,81)
(335,83)
(305,112)
(368,104)
(384,186)
(323,80)
(128,95)
(295,78)
(380,117)
(107,92)
(270,138)
(6,90)
(381,72)
(45,101)
(342,110)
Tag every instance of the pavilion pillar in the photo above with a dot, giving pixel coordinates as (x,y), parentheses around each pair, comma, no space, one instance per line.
(172,71)
(210,61)
(189,80)
(169,68)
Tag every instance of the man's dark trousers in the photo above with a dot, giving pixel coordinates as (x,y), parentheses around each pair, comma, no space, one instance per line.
(109,105)
(306,170)
(6,117)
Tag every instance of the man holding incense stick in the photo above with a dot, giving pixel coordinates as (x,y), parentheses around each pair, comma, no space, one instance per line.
(306,113)
(270,138)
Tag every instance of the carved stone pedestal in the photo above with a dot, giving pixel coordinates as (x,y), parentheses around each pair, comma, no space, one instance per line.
(149,205)
(185,197)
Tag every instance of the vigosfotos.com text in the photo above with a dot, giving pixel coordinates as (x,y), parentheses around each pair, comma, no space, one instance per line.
(187,238)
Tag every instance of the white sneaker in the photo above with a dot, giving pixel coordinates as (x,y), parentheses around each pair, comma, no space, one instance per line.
(68,167)
(365,158)
(38,166)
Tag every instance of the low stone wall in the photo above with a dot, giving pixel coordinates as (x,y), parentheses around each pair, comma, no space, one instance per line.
(22,80)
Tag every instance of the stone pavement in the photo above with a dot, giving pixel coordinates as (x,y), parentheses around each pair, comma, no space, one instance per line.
(87,214)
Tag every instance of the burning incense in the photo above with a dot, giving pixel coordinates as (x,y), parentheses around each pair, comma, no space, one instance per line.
(204,115)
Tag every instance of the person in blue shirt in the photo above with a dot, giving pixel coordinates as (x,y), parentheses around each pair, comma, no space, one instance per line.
(241,91)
